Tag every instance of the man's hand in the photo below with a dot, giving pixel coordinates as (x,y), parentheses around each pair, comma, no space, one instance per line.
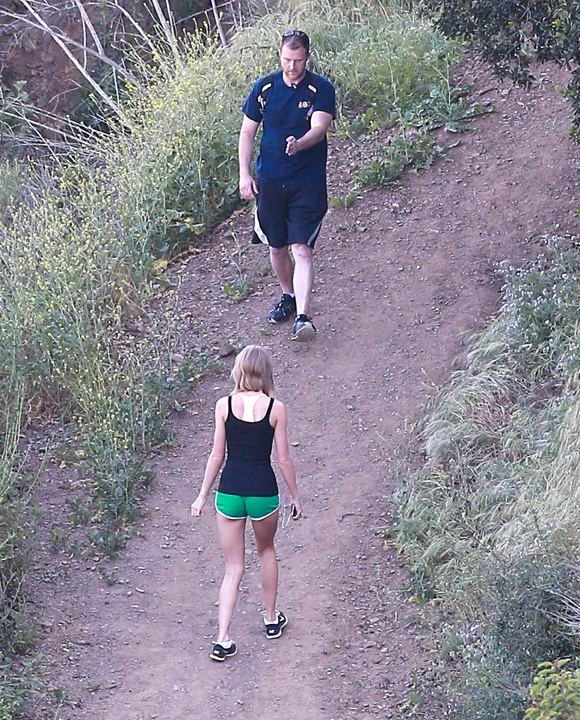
(292,145)
(248,187)
(319,124)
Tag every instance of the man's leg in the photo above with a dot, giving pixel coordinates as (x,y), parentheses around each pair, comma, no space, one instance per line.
(303,276)
(283,267)
(271,229)
(305,213)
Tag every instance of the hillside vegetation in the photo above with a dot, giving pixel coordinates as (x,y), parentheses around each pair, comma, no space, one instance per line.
(489,527)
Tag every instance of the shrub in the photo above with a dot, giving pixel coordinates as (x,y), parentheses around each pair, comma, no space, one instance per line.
(555,692)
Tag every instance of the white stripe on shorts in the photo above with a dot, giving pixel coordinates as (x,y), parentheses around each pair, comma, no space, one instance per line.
(314,235)
(258,230)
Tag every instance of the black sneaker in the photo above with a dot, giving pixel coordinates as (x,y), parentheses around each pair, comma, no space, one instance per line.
(274,630)
(283,310)
(304,329)
(220,653)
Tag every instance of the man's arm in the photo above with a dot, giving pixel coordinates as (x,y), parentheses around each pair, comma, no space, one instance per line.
(319,124)
(248,187)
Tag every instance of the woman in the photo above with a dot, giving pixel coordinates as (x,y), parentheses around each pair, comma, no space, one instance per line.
(247,422)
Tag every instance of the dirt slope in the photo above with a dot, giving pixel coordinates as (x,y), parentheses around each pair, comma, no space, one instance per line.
(400,276)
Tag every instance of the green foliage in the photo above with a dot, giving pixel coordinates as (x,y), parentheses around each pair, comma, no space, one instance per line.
(555,692)
(15,110)
(383,56)
(16,681)
(418,151)
(513,33)
(239,289)
(16,632)
(12,182)
(391,67)
(490,525)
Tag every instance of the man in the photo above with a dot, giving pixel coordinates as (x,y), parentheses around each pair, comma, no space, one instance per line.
(297,108)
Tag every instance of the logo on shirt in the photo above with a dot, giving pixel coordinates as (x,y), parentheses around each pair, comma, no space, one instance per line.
(303,104)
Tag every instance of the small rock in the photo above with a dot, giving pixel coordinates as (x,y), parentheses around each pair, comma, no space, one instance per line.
(226,350)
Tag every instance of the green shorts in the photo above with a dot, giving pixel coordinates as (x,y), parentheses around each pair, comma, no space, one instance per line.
(236,507)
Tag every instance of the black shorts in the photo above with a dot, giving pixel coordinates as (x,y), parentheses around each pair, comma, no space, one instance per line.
(289,214)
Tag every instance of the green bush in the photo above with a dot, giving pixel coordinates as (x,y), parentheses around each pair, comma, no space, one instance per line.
(555,692)
(15,112)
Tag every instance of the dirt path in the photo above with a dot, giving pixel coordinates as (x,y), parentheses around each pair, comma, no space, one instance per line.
(400,276)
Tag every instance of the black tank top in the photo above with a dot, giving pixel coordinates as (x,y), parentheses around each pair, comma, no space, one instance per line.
(248,471)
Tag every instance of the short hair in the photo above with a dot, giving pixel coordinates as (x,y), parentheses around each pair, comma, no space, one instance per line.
(253,371)
(295,39)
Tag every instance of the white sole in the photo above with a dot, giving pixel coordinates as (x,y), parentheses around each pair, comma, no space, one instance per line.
(305,334)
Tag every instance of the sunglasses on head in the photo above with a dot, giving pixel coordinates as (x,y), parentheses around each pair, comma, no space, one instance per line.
(291,33)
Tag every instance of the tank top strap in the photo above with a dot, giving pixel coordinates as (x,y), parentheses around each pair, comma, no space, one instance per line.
(230,405)
(270,406)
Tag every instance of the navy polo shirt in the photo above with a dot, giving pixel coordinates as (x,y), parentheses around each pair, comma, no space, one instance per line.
(285,114)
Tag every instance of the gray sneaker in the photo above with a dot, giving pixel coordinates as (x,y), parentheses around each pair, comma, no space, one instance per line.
(283,310)
(304,329)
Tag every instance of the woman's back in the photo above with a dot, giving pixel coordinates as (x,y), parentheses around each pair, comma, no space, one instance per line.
(248,470)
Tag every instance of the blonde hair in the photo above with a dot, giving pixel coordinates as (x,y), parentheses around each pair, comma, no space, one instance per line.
(253,371)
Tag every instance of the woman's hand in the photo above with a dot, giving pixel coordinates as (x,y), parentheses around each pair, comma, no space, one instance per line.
(197,506)
(296,509)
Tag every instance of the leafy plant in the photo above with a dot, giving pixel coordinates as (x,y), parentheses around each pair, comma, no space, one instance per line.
(418,151)
(15,111)
(239,289)
(555,692)
(344,202)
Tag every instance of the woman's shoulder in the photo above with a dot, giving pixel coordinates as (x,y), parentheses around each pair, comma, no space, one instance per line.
(221,405)
(278,409)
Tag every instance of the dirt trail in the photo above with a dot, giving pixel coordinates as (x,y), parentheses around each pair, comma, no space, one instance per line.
(400,276)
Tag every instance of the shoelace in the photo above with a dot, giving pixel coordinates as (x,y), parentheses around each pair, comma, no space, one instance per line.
(283,302)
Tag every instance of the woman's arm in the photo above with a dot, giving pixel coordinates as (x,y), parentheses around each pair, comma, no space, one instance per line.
(216,457)
(285,463)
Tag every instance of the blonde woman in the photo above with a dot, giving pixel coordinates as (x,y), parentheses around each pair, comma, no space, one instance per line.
(247,422)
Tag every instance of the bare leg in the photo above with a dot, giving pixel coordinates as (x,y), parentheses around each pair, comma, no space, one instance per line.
(303,276)
(283,267)
(232,539)
(265,530)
